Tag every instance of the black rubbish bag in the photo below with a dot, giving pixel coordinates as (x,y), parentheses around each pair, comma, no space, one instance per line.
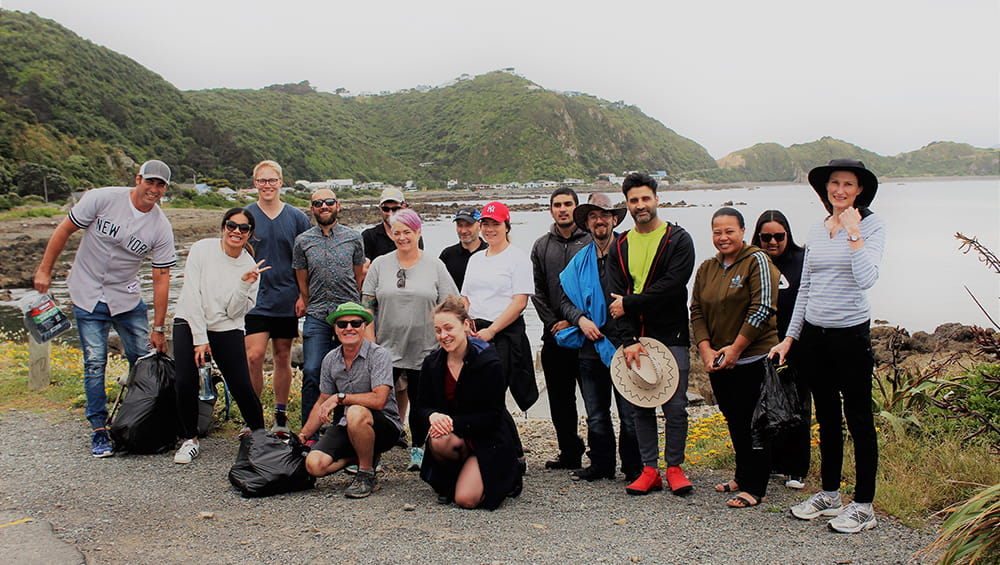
(270,464)
(776,411)
(146,420)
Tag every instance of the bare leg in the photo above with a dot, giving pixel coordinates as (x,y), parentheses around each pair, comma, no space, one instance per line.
(403,402)
(362,434)
(281,350)
(256,345)
(469,490)
(447,449)
(319,464)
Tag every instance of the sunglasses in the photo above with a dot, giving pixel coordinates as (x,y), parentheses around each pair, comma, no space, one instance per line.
(233,226)
(391,209)
(342,324)
(767,237)
(401,279)
(331,202)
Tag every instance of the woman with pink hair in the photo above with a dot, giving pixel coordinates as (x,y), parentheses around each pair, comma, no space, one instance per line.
(401,289)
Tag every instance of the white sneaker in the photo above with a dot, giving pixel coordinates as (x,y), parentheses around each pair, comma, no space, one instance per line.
(854,518)
(818,504)
(187,452)
(795,483)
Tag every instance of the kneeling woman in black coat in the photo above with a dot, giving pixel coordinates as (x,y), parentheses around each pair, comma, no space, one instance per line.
(469,456)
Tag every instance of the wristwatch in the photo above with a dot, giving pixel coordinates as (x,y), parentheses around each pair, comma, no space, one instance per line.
(341,396)
(161,329)
(854,237)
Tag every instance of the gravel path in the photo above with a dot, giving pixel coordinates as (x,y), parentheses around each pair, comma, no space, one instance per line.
(146,509)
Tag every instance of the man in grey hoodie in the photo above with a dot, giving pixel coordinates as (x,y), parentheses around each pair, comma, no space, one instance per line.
(549,256)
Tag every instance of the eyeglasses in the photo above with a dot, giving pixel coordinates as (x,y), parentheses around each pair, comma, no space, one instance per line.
(342,324)
(233,226)
(766,237)
(391,209)
(331,202)
(268,182)
(401,279)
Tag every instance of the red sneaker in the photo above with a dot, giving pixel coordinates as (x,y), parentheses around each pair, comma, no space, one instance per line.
(647,482)
(679,484)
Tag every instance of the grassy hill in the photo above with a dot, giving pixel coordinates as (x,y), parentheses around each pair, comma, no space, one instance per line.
(81,115)
(772,162)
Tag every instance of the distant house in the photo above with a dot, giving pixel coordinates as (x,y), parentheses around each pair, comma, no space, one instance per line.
(452,183)
(572,182)
(229,193)
(550,184)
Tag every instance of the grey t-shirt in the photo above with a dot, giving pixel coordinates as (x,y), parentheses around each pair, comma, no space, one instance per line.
(371,368)
(330,262)
(403,313)
(116,239)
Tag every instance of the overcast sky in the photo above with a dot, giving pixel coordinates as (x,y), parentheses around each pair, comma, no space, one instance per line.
(888,75)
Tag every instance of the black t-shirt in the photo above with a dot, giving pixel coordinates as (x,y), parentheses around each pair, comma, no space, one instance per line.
(456,259)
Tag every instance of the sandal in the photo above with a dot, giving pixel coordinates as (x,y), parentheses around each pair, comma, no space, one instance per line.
(728,486)
(740,501)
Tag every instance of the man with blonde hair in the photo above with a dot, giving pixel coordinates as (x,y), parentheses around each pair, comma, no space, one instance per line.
(274,318)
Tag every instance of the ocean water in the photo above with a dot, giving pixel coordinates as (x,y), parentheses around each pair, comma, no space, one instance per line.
(922,276)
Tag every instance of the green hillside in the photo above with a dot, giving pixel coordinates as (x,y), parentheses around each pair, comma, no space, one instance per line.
(74,115)
(772,162)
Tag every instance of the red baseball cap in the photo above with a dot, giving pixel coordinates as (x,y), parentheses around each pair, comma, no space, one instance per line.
(495,211)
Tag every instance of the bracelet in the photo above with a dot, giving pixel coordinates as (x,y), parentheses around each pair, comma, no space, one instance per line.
(161,329)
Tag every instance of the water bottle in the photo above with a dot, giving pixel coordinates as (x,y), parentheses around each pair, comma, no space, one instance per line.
(207,389)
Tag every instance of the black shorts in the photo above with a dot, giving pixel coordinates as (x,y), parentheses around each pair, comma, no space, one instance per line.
(337,444)
(280,327)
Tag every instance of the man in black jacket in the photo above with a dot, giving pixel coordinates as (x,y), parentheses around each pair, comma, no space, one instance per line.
(549,256)
(648,271)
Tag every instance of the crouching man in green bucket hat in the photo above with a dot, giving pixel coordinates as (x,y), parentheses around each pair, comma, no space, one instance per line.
(357,399)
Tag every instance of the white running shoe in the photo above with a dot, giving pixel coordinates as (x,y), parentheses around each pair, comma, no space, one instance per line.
(853,519)
(818,504)
(796,483)
(188,451)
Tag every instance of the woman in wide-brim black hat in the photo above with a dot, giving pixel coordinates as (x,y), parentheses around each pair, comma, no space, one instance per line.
(830,327)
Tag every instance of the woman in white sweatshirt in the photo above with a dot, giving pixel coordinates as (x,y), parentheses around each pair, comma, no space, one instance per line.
(220,286)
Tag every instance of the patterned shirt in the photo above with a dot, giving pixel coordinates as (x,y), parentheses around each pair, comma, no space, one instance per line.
(329,261)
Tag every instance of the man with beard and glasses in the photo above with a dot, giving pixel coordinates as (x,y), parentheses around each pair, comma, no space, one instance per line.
(329,260)
(549,256)
(584,305)
(649,267)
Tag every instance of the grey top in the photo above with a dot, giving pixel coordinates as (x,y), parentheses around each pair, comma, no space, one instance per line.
(371,368)
(329,261)
(117,238)
(403,315)
(272,241)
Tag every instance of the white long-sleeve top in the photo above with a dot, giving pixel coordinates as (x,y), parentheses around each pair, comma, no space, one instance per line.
(834,278)
(214,296)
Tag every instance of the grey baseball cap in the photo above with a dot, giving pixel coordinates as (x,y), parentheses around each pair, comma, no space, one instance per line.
(154,169)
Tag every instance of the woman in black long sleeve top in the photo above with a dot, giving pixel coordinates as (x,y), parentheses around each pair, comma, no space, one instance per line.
(469,456)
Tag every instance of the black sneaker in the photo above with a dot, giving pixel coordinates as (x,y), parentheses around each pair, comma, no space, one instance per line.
(591,474)
(364,484)
(564,462)
(631,475)
(280,426)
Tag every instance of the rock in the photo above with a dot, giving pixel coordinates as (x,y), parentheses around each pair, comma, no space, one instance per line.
(922,342)
(955,332)
(206,515)
(409,507)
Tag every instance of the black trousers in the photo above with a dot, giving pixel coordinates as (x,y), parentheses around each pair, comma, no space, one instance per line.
(562,370)
(737,391)
(838,363)
(230,354)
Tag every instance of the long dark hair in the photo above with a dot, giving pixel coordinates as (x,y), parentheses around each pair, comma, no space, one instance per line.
(250,220)
(774,216)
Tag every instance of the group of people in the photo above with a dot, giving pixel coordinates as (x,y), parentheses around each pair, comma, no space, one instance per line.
(393,334)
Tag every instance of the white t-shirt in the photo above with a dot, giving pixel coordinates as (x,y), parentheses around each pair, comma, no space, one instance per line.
(491,281)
